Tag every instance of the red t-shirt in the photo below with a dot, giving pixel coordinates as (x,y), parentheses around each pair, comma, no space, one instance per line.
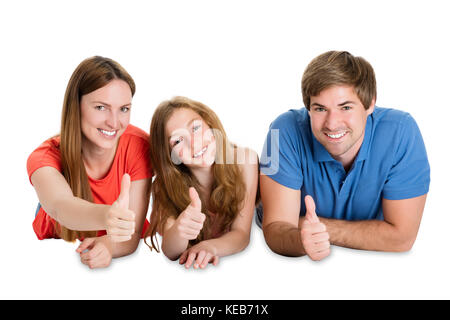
(132,157)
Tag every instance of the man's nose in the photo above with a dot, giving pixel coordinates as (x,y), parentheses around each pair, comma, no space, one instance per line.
(333,120)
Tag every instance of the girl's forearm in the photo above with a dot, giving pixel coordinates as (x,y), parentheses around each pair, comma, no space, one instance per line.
(230,243)
(173,245)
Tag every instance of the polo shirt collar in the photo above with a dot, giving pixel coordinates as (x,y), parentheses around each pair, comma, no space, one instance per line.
(321,154)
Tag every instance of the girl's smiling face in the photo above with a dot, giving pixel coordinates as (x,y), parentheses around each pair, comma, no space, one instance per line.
(191,140)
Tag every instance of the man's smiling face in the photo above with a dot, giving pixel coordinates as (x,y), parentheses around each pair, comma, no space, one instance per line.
(338,121)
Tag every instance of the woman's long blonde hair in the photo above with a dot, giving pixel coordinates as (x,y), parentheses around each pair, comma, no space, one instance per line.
(171,185)
(90,75)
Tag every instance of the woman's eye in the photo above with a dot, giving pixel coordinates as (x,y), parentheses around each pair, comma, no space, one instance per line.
(195,128)
(101,108)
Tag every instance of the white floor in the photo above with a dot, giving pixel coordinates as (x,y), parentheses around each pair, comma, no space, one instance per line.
(245,60)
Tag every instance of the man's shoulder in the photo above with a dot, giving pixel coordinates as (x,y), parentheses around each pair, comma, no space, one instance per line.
(381,115)
(394,125)
(293,119)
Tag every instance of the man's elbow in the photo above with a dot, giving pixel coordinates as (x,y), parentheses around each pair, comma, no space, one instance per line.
(275,242)
(404,243)
(268,239)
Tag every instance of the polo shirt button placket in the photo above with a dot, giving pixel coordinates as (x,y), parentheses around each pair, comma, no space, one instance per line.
(342,178)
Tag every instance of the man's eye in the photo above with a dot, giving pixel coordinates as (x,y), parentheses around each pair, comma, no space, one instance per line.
(346,108)
(319,109)
(124,109)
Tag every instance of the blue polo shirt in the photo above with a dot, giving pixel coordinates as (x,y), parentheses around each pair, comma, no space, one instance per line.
(391,164)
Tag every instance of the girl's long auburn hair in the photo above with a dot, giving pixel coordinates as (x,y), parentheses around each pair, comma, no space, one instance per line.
(91,74)
(170,189)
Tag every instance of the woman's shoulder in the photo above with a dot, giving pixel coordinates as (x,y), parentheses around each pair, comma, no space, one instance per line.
(49,147)
(46,154)
(134,139)
(133,132)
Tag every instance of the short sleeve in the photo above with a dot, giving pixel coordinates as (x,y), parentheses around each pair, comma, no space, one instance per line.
(139,165)
(46,155)
(280,158)
(409,176)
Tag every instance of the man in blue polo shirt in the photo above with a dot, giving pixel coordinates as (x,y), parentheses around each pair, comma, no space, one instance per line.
(358,174)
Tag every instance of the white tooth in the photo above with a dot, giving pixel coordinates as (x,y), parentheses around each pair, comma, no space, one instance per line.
(335,136)
(198,154)
(109,133)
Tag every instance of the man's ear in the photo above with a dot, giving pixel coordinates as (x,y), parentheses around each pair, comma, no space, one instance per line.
(371,108)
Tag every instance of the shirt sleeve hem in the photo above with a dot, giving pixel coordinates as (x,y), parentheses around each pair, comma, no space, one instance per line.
(405,194)
(285,181)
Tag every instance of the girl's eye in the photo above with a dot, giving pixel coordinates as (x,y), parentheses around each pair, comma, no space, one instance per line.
(177,141)
(124,109)
(101,108)
(196,127)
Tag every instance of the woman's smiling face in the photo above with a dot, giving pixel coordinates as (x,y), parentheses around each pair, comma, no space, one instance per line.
(105,114)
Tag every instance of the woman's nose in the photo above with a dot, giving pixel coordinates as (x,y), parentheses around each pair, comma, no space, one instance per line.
(112,120)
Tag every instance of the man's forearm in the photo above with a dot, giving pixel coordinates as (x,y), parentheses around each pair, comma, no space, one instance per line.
(284,239)
(376,235)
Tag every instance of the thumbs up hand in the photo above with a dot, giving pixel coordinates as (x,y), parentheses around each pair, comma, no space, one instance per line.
(190,222)
(120,224)
(314,235)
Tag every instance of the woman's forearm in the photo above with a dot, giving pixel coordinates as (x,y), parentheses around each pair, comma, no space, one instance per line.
(78,214)
(121,249)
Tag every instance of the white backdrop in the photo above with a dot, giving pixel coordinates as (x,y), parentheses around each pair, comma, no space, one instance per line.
(245,60)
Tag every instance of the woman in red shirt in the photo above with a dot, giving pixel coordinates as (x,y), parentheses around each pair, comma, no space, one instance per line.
(93,179)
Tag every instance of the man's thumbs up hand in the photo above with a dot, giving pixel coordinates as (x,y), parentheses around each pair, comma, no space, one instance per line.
(311,214)
(315,237)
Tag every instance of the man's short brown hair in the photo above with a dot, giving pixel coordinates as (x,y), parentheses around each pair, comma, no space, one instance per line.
(339,68)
